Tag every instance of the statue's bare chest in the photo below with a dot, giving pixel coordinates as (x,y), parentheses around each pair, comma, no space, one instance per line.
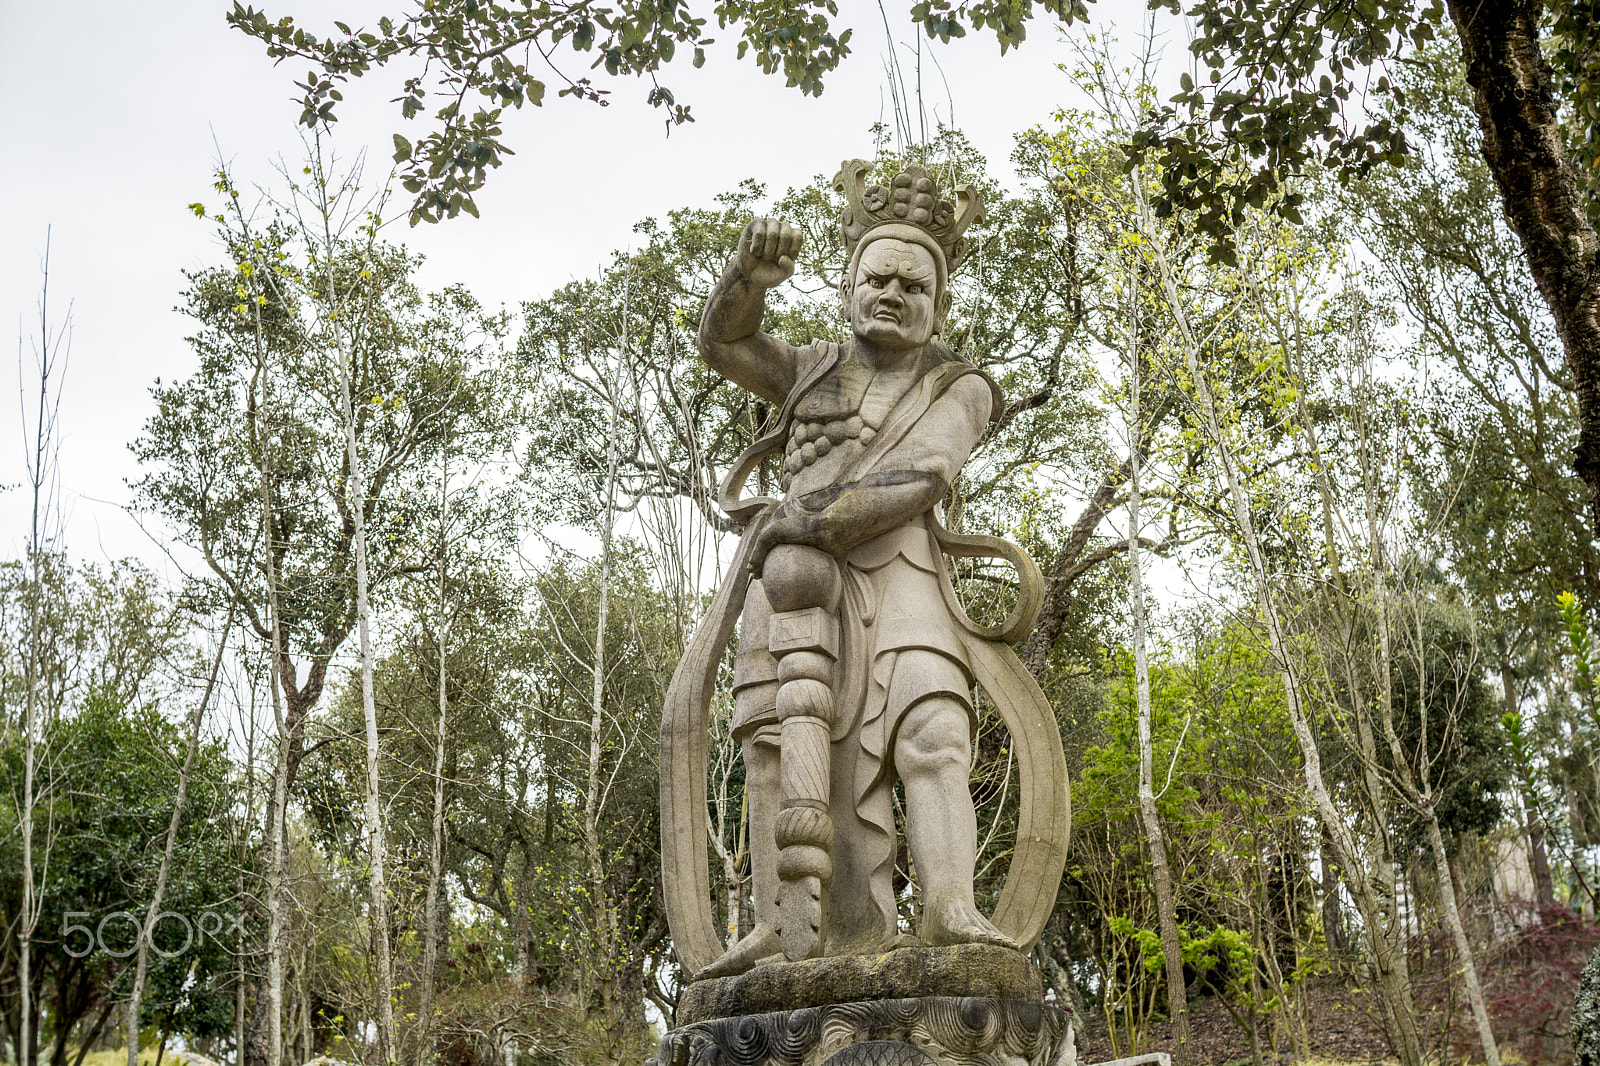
(837,419)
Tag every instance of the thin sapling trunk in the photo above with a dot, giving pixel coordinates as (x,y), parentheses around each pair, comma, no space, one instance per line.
(1171,945)
(158,893)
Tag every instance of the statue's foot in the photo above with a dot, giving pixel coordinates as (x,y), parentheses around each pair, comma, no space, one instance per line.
(753,947)
(954,920)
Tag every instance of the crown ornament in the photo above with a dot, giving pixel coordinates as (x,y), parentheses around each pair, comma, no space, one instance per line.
(910,198)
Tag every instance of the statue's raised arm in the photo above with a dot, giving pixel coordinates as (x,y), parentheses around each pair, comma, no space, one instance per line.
(731,340)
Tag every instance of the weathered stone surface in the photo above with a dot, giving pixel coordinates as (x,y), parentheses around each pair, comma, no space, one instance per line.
(1586,1016)
(856,661)
(881,1053)
(961,970)
(925,1031)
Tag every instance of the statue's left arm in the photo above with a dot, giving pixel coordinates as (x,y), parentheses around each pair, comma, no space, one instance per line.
(836,519)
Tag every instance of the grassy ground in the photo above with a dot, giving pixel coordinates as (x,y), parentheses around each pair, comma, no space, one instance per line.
(119,1057)
(147,1057)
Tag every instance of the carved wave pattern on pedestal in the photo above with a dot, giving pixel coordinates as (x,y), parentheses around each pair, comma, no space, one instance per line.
(948,1031)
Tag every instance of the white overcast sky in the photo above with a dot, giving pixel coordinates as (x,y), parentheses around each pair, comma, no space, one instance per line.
(116,112)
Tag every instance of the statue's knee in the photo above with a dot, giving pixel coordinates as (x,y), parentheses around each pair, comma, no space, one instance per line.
(934,739)
(796,577)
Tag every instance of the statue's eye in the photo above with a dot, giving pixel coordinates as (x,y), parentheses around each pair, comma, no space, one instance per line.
(877,283)
(914,288)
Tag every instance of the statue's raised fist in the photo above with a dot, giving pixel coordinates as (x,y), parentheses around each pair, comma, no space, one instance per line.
(766,251)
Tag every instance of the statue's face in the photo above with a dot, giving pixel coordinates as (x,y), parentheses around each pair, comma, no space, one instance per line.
(891,304)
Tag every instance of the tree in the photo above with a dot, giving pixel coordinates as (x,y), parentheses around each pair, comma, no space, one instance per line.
(153,911)
(1444,746)
(1284,93)
(465,52)
(1498,429)
(250,460)
(201,465)
(41,450)
(1232,803)
(112,641)
(1549,201)
(1287,91)
(1166,908)
(1255,506)
(71,636)
(474,525)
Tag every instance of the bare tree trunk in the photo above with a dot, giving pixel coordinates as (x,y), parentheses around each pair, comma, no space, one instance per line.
(1525,145)
(240,1002)
(521,961)
(376,846)
(28,1054)
(278,859)
(1458,932)
(1544,890)
(430,921)
(1333,931)
(259,415)
(1171,945)
(41,461)
(731,858)
(600,907)
(1372,793)
(302,1036)
(1258,908)
(241,853)
(157,894)
(346,350)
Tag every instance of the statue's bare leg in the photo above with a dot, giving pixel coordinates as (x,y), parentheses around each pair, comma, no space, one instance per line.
(932,755)
(761,791)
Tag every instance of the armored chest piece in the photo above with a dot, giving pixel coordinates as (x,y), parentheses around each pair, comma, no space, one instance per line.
(829,416)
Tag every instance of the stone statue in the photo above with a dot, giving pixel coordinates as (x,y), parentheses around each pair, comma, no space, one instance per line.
(856,662)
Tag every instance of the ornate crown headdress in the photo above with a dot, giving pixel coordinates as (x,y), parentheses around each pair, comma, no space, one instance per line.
(910,198)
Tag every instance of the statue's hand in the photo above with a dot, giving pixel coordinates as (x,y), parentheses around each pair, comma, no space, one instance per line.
(766,251)
(793,523)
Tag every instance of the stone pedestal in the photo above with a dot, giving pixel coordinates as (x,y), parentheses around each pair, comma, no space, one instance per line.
(971,1005)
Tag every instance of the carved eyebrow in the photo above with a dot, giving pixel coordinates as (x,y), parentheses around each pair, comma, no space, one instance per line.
(911,271)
